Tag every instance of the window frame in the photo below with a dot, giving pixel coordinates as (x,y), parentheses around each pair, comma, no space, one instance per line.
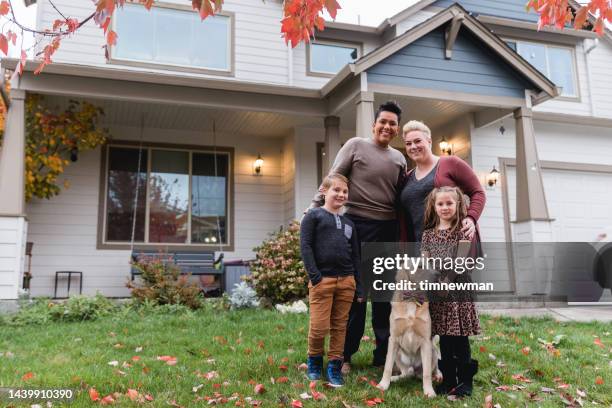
(231,71)
(103,192)
(310,72)
(572,49)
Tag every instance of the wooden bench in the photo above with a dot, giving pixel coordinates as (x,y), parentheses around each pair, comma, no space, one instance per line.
(192,263)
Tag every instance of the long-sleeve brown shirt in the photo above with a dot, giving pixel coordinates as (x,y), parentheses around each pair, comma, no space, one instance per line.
(374,173)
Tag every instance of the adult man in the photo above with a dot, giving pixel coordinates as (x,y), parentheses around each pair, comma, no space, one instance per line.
(374,170)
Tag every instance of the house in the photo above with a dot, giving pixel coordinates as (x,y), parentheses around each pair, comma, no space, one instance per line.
(194,105)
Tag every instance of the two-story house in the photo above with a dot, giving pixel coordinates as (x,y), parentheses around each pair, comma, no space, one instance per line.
(192,105)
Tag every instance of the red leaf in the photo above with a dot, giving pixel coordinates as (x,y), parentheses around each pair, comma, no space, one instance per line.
(598,342)
(111,38)
(132,394)
(281,380)
(283,367)
(296,404)
(525,350)
(136,358)
(108,400)
(599,380)
(3,44)
(148,397)
(4,8)
(27,376)
(94,395)
(170,360)
(260,389)
(332,7)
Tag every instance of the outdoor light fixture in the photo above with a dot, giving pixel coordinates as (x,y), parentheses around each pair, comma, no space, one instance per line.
(445,147)
(257,165)
(74,154)
(493,177)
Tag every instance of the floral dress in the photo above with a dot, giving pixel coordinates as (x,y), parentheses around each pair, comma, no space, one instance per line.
(456,314)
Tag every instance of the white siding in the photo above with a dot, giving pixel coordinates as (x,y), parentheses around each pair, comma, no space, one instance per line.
(12,249)
(600,63)
(64,229)
(260,55)
(306,166)
(413,20)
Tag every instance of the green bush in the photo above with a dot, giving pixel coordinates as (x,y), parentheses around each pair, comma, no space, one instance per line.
(163,284)
(278,274)
(74,309)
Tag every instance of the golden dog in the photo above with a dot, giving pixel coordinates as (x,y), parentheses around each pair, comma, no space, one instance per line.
(411,347)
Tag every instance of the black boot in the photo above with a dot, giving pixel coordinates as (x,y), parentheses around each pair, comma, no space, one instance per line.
(449,376)
(465,375)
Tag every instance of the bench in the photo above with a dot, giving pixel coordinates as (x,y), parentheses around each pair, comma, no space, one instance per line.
(193,263)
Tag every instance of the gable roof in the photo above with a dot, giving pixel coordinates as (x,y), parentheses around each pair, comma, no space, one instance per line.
(480,31)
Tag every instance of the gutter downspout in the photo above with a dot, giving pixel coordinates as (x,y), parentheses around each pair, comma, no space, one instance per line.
(587,51)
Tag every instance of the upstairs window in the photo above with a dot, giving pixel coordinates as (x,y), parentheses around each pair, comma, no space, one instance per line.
(556,62)
(328,58)
(173,36)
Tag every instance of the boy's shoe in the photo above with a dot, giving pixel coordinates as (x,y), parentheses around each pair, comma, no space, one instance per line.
(465,375)
(449,376)
(334,373)
(315,367)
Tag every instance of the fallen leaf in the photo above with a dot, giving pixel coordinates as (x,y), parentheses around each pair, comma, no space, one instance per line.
(170,360)
(520,377)
(136,358)
(526,350)
(282,380)
(27,376)
(598,342)
(303,367)
(296,404)
(599,380)
(132,394)
(108,400)
(260,389)
(488,403)
(113,363)
(94,395)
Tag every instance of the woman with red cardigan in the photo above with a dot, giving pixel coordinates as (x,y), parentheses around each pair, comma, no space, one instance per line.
(453,320)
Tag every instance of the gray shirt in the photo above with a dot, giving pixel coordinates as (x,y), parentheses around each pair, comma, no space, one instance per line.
(413,198)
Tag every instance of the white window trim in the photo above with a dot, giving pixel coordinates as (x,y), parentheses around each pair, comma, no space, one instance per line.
(340,43)
(103,243)
(572,50)
(177,67)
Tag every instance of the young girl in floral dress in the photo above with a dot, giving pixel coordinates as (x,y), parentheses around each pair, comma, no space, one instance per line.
(453,316)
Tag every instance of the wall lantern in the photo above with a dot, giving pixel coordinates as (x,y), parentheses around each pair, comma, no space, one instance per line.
(74,154)
(445,147)
(492,178)
(257,165)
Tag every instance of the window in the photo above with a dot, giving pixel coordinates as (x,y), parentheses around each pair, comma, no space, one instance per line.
(557,63)
(175,197)
(329,58)
(173,36)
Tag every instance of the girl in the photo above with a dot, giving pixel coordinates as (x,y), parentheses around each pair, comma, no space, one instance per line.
(331,257)
(454,317)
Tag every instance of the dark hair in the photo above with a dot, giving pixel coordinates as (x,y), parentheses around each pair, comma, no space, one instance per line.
(389,106)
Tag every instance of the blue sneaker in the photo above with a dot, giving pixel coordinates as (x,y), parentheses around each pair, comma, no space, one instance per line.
(334,373)
(315,366)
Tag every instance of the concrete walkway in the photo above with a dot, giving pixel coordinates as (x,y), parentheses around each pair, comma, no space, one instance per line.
(602,313)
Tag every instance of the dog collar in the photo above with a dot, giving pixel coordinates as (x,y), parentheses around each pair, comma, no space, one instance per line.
(417,297)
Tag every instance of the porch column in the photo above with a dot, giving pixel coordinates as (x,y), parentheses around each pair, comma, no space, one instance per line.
(332,141)
(365,114)
(13,225)
(532,228)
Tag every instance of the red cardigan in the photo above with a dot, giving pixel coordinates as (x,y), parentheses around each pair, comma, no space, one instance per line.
(452,172)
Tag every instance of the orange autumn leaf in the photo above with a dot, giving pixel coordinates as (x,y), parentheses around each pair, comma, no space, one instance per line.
(108,400)
(111,38)
(4,8)
(132,394)
(599,380)
(94,395)
(27,376)
(598,342)
(526,350)
(4,44)
(482,349)
(296,404)
(170,360)
(282,380)
(259,389)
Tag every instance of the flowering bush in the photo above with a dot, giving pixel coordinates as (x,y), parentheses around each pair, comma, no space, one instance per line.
(243,296)
(278,273)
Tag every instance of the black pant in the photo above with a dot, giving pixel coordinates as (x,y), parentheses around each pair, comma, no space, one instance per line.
(370,231)
(455,347)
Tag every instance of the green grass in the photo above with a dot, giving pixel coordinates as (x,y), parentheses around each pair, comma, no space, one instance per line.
(248,347)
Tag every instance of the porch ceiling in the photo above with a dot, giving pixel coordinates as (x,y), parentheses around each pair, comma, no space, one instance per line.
(162,116)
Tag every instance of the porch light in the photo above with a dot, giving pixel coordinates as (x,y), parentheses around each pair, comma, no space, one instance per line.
(493,177)
(445,147)
(257,165)
(74,154)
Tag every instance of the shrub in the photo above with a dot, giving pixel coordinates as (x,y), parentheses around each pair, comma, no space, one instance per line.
(163,284)
(243,296)
(278,273)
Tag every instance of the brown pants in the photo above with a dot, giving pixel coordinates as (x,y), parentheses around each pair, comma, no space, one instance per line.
(330,302)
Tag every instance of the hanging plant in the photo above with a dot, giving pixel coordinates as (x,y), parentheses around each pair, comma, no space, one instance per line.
(53,140)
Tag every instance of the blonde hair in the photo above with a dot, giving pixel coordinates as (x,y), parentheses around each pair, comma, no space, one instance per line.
(416,125)
(431,217)
(329,180)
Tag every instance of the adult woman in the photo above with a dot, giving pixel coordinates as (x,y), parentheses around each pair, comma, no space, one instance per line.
(452,318)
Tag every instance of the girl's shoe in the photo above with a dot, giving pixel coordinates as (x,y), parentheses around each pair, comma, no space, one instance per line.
(449,376)
(315,367)
(334,373)
(465,375)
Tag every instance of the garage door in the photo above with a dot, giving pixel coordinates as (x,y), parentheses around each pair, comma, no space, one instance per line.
(579,201)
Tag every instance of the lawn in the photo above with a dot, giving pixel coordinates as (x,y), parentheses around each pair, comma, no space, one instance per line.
(223,354)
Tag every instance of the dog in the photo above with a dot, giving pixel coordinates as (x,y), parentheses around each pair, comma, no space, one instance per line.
(411,347)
